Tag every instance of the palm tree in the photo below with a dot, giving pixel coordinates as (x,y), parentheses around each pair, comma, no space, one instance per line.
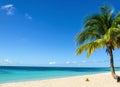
(100,31)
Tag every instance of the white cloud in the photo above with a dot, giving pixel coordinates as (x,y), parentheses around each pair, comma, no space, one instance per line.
(73,62)
(5,62)
(52,63)
(67,62)
(83,61)
(9,9)
(28,16)
(7,6)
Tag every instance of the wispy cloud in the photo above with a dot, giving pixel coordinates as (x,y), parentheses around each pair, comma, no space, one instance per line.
(27,16)
(73,62)
(9,8)
(5,62)
(83,61)
(67,62)
(52,62)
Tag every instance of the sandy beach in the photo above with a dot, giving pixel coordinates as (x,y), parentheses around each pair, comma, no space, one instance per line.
(96,80)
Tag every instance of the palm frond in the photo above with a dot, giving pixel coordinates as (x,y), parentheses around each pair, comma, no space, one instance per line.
(86,35)
(91,47)
(95,19)
(100,30)
(111,33)
(107,12)
(116,22)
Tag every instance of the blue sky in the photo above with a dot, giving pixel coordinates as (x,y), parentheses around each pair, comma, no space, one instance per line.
(42,32)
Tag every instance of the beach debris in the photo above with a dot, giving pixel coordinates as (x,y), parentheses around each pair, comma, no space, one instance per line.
(87,80)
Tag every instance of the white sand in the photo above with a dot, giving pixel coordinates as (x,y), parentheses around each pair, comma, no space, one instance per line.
(96,80)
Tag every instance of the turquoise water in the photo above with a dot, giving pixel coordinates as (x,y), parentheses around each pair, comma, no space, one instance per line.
(15,74)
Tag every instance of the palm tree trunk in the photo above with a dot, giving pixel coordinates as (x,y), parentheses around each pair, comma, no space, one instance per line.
(112,66)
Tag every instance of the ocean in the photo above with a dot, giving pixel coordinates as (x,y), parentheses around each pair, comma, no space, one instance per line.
(22,73)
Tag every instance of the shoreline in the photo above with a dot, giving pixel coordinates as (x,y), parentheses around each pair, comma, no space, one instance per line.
(95,80)
(53,78)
